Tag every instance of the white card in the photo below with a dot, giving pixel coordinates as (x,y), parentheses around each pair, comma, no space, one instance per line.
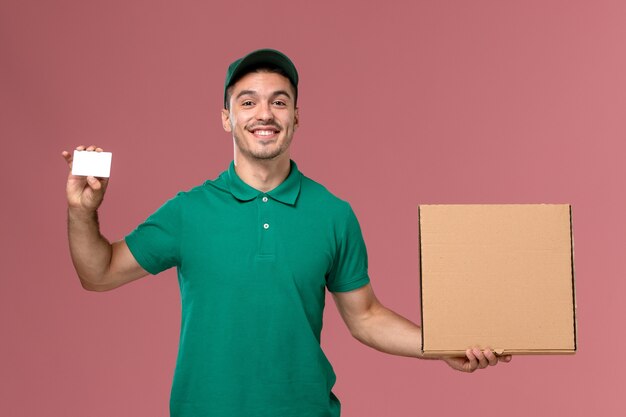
(91,163)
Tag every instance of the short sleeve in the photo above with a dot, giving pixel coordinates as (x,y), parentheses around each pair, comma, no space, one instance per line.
(155,243)
(349,269)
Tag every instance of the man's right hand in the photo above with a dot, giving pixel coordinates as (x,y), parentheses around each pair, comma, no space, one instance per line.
(84,194)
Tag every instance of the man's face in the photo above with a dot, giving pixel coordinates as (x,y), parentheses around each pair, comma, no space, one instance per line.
(262,115)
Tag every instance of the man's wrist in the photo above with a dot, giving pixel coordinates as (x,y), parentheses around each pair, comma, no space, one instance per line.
(81,214)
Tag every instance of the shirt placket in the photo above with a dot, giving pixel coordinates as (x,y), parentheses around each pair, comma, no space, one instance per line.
(266,225)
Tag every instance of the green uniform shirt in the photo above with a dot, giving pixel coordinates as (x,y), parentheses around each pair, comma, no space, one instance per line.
(252,270)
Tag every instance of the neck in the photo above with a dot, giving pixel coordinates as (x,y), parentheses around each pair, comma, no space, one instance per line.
(263,175)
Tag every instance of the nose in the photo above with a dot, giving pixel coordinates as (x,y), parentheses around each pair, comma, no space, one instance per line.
(264,112)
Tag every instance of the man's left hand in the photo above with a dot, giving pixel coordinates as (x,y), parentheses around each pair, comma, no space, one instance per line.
(476,359)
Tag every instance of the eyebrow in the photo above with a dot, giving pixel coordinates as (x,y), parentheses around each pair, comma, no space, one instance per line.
(253,93)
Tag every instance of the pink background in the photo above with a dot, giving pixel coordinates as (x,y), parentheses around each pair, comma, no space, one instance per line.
(402,102)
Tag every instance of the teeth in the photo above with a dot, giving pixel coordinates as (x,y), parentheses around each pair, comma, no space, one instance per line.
(264,132)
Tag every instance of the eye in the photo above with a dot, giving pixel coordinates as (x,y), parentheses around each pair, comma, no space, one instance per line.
(279,103)
(247,103)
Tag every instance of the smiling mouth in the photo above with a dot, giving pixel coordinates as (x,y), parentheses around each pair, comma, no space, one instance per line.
(264,132)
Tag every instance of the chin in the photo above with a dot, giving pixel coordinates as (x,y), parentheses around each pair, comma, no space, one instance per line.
(261,153)
(267,153)
(266,156)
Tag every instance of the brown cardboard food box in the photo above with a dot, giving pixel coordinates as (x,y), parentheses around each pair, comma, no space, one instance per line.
(497,276)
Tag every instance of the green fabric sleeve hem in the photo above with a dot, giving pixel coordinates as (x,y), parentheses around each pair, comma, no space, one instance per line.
(352,285)
(143,262)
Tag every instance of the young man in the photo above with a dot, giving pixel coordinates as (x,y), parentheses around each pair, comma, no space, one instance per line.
(255,250)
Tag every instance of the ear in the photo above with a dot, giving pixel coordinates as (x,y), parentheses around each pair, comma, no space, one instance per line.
(296,119)
(226,121)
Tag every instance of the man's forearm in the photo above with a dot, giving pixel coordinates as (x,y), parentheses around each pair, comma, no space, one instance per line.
(382,329)
(91,252)
(388,332)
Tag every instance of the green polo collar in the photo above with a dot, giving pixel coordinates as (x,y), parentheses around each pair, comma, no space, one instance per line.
(287,192)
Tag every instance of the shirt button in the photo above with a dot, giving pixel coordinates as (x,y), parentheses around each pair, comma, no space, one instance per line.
(266,226)
(264,199)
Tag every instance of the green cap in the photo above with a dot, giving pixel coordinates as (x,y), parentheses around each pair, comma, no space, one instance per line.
(257,59)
